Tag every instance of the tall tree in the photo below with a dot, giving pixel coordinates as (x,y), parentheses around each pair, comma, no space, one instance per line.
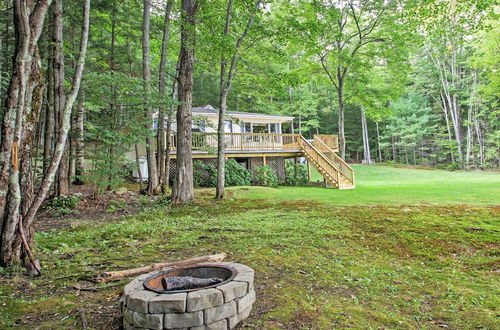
(146,74)
(182,190)
(336,33)
(62,182)
(226,79)
(19,213)
(162,136)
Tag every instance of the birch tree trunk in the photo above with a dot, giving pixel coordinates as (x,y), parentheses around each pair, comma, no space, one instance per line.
(148,113)
(183,190)
(366,143)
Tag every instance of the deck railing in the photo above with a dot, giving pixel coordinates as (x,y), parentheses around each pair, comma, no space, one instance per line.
(339,163)
(242,141)
(332,141)
(321,160)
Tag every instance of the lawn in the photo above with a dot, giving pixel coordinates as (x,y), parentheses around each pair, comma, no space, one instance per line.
(393,185)
(320,263)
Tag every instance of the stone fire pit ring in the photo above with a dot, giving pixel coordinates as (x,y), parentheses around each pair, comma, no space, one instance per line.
(220,306)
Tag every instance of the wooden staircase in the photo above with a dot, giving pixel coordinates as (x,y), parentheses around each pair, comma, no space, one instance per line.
(337,173)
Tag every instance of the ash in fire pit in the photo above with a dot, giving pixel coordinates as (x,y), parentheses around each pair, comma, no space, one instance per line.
(204,296)
(188,279)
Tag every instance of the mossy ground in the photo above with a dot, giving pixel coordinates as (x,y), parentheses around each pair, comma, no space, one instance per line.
(318,265)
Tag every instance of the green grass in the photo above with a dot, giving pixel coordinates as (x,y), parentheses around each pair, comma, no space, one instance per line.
(319,265)
(392,185)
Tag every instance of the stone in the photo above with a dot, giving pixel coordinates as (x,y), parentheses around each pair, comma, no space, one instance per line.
(245,302)
(149,321)
(233,290)
(203,299)
(219,325)
(242,268)
(183,320)
(135,285)
(244,277)
(220,312)
(121,191)
(234,320)
(123,301)
(138,301)
(128,316)
(168,303)
(127,326)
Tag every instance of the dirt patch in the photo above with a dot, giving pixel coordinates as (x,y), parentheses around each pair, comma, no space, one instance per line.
(91,208)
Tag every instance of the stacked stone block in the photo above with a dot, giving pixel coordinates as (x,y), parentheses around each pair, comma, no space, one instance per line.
(221,307)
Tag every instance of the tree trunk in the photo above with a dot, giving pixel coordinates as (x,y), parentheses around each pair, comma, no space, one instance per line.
(394,152)
(22,102)
(168,146)
(62,136)
(225,86)
(378,143)
(340,95)
(148,113)
(79,140)
(183,190)
(223,91)
(48,142)
(138,164)
(62,182)
(366,143)
(161,86)
(221,145)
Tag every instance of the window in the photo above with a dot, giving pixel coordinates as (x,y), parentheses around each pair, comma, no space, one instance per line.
(228,126)
(260,128)
(246,127)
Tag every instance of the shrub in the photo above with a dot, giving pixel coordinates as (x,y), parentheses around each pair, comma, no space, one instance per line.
(234,175)
(295,174)
(204,175)
(266,176)
(62,205)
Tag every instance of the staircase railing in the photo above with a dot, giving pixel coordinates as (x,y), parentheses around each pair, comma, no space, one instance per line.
(321,160)
(345,170)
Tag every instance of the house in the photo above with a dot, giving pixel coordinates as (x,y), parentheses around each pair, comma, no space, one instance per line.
(255,139)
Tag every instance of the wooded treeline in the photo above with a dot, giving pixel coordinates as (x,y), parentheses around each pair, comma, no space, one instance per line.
(412,82)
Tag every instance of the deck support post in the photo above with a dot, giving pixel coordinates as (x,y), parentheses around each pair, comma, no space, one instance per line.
(264,160)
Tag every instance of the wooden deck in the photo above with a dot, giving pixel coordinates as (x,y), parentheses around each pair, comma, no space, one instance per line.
(320,152)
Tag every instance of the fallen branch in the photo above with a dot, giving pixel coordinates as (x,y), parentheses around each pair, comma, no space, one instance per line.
(109,276)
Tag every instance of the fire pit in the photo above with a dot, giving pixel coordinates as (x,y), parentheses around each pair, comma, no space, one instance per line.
(204,296)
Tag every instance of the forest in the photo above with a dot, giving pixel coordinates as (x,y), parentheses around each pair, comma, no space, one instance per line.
(400,82)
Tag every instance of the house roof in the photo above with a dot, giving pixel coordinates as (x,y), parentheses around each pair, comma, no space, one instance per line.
(209,110)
